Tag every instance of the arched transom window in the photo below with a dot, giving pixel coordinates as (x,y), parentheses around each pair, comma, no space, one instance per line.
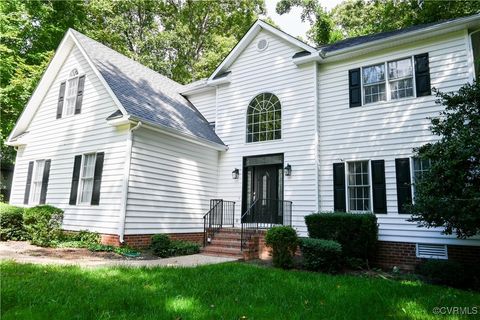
(264,118)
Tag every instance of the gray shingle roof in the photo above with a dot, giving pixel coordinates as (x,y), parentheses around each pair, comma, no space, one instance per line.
(145,94)
(351,42)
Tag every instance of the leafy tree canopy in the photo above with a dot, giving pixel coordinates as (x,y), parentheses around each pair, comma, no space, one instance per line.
(448,195)
(353,18)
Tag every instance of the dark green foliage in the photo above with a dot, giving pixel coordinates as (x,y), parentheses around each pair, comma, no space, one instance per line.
(43,224)
(357,233)
(321,255)
(164,247)
(451,273)
(81,239)
(11,223)
(448,195)
(160,245)
(284,242)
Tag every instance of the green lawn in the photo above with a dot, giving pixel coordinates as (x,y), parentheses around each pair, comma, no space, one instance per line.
(226,291)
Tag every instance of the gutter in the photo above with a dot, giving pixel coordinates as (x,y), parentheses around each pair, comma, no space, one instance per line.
(126,176)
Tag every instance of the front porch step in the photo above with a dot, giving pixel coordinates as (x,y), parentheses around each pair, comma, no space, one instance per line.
(218,250)
(226,243)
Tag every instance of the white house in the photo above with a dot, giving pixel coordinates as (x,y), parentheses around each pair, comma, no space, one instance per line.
(280,128)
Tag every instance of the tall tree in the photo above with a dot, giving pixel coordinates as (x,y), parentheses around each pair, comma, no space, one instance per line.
(448,195)
(360,17)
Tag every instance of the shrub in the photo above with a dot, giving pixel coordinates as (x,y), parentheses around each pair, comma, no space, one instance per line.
(450,273)
(183,248)
(163,247)
(160,245)
(357,233)
(43,224)
(81,239)
(11,223)
(284,241)
(321,255)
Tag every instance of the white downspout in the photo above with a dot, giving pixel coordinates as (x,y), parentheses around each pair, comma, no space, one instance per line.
(317,137)
(126,175)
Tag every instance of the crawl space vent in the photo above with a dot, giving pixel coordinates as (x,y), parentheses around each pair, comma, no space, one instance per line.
(432,251)
(262,44)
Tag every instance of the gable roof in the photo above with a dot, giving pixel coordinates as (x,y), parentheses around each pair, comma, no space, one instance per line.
(145,94)
(248,37)
(140,93)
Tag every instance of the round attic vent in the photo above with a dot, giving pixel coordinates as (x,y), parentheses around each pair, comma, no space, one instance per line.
(262,44)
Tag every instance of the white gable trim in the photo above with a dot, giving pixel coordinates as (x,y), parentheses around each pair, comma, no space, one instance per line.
(249,36)
(64,49)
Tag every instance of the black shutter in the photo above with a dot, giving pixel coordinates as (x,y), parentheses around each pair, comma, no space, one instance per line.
(61,97)
(378,187)
(422,75)
(97,180)
(404,189)
(78,103)
(339,187)
(75,177)
(46,175)
(355,88)
(29,183)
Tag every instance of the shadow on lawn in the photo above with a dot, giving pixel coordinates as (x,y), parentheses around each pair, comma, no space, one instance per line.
(228,291)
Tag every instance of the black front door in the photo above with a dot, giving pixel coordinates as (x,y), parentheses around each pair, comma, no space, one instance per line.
(263,188)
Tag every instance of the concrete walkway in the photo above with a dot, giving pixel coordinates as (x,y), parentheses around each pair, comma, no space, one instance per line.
(22,252)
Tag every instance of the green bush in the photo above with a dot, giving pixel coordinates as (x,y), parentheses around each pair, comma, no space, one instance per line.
(450,273)
(80,239)
(11,223)
(284,241)
(321,255)
(163,247)
(160,245)
(356,232)
(43,224)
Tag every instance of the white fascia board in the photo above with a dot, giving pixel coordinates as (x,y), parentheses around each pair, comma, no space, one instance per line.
(180,135)
(404,38)
(41,90)
(249,36)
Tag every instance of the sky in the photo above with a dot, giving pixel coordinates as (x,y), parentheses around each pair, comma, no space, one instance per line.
(291,22)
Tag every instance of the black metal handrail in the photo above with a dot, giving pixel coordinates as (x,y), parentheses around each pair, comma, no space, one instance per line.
(221,214)
(264,214)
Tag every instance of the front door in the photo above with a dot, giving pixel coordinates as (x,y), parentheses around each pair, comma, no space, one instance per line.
(263,188)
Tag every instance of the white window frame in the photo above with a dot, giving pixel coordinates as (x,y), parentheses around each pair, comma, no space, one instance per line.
(81,179)
(372,84)
(412,176)
(403,78)
(66,111)
(370,191)
(388,96)
(36,184)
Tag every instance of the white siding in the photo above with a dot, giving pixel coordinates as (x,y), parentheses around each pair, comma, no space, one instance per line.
(272,71)
(61,139)
(387,130)
(205,103)
(170,185)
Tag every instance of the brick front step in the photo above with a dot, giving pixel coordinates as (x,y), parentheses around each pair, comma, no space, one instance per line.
(222,251)
(225,243)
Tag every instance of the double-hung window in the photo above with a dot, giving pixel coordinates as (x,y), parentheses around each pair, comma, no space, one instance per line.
(374,83)
(420,166)
(400,78)
(71,94)
(87,178)
(358,186)
(37,181)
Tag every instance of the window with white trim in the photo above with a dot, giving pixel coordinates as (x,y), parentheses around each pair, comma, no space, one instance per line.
(396,83)
(420,166)
(264,118)
(87,178)
(358,182)
(37,181)
(71,94)
(400,78)
(374,83)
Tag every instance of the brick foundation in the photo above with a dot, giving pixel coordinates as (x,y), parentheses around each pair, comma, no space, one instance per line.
(141,241)
(403,255)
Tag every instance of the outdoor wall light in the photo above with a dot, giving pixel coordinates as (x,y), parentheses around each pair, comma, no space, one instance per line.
(235,174)
(288,170)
